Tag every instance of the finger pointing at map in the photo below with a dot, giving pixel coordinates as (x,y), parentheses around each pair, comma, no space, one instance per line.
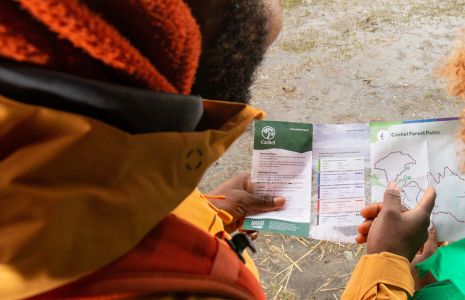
(401,233)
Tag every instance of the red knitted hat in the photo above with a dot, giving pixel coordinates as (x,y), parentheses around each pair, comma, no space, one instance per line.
(152,43)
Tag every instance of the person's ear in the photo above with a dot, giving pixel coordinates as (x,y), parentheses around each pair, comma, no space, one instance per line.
(274,11)
(210,15)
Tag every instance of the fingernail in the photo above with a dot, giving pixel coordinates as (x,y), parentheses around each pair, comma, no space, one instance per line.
(392,186)
(279,201)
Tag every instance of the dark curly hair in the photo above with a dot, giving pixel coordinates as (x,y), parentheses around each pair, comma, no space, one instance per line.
(227,66)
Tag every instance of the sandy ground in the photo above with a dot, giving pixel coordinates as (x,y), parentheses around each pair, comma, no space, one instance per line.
(343,61)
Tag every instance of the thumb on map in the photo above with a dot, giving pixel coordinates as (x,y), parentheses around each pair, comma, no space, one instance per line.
(427,202)
(392,196)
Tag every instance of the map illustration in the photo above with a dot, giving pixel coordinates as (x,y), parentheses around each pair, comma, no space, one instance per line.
(416,155)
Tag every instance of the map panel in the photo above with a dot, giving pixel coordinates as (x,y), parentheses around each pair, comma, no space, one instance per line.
(416,155)
(341,161)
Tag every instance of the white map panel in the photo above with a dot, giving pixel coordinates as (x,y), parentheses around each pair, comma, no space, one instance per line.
(418,155)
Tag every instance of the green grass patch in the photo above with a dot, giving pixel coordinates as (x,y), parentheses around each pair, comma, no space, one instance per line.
(289,4)
(298,46)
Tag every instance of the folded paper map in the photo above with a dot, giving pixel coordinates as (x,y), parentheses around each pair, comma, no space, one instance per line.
(328,173)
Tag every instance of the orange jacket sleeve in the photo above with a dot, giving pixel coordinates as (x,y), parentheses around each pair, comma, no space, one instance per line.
(380,276)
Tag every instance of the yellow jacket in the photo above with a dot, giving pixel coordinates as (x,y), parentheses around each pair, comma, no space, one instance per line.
(67,176)
(380,276)
(116,203)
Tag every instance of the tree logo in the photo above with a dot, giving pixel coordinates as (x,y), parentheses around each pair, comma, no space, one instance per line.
(268,133)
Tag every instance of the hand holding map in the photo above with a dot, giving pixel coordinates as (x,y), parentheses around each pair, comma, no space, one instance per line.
(398,231)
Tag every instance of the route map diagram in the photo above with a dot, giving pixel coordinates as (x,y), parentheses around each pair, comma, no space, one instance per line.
(418,155)
(395,166)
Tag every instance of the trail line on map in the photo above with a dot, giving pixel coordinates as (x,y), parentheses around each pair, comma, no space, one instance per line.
(416,183)
(443,175)
(437,179)
(448,213)
(405,194)
(394,152)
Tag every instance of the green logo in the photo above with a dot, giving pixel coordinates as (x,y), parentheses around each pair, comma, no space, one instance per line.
(268,133)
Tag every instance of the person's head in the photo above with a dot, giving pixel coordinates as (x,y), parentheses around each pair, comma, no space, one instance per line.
(454,72)
(160,40)
(235,36)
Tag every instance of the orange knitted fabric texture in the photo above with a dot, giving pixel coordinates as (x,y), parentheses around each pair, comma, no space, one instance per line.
(154,43)
(454,72)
